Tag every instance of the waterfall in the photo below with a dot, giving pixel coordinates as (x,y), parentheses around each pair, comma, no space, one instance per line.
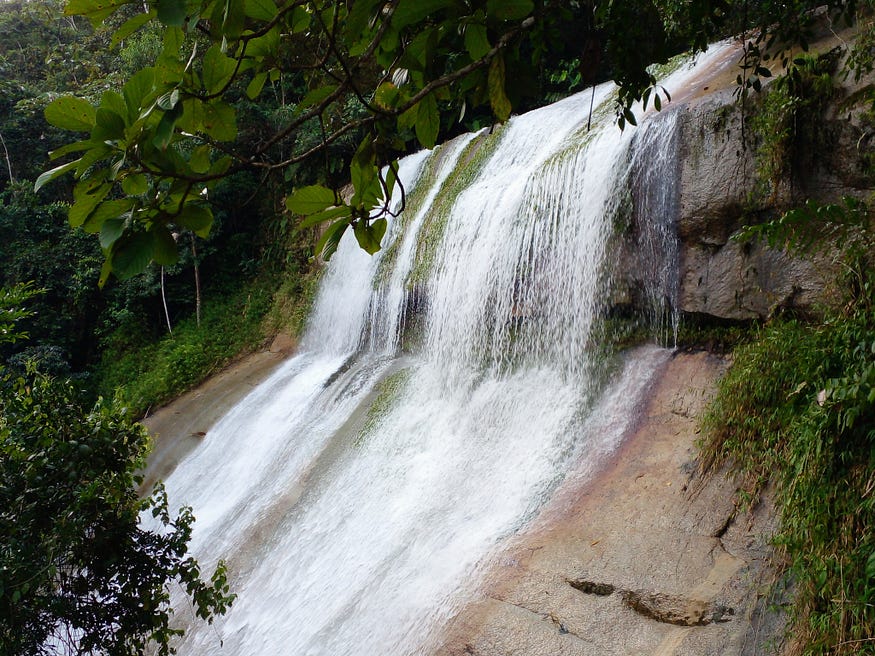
(444,389)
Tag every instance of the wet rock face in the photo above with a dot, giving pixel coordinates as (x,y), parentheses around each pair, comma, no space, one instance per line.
(719,276)
(722,277)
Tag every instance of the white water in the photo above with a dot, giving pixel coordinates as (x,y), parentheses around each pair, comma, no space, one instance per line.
(358,493)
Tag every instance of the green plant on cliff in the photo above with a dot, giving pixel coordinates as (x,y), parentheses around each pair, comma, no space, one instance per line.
(787,124)
(797,409)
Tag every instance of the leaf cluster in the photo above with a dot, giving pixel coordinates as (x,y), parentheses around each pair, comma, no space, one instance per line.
(78,572)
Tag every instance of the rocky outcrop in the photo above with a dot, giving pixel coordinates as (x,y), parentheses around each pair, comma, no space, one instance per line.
(718,193)
(719,276)
(645,559)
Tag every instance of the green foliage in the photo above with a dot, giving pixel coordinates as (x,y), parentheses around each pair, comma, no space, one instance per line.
(145,375)
(798,408)
(411,69)
(788,123)
(78,572)
(13,310)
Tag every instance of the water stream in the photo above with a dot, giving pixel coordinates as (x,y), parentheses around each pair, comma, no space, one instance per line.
(444,389)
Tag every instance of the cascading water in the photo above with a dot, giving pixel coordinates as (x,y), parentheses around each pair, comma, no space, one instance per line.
(357,492)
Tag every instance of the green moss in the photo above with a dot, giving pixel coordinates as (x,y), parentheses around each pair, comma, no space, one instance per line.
(388,392)
(467,169)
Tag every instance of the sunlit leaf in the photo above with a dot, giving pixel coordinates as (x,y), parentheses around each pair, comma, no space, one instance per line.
(200,159)
(71,113)
(130,26)
(219,121)
(137,91)
(50,175)
(135,184)
(87,194)
(74,147)
(95,10)
(253,89)
(310,200)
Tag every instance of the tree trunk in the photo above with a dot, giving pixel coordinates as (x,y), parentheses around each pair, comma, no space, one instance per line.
(164,301)
(197,283)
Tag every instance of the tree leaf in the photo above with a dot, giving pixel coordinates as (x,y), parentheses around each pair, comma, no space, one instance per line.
(310,200)
(363,168)
(264,10)
(130,26)
(325,215)
(200,159)
(253,89)
(476,41)
(110,231)
(219,121)
(164,129)
(138,91)
(509,9)
(315,97)
(109,209)
(50,175)
(74,147)
(359,19)
(71,113)
(428,121)
(369,235)
(86,201)
(172,12)
(108,126)
(386,95)
(217,70)
(114,102)
(135,184)
(197,218)
(166,252)
(413,11)
(497,97)
(95,10)
(131,255)
(330,239)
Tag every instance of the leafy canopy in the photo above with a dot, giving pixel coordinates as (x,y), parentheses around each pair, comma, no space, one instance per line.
(153,150)
(79,573)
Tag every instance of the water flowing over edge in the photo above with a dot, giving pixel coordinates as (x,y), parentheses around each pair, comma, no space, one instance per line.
(444,388)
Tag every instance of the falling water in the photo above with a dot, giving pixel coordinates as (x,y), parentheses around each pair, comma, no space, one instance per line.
(443,390)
